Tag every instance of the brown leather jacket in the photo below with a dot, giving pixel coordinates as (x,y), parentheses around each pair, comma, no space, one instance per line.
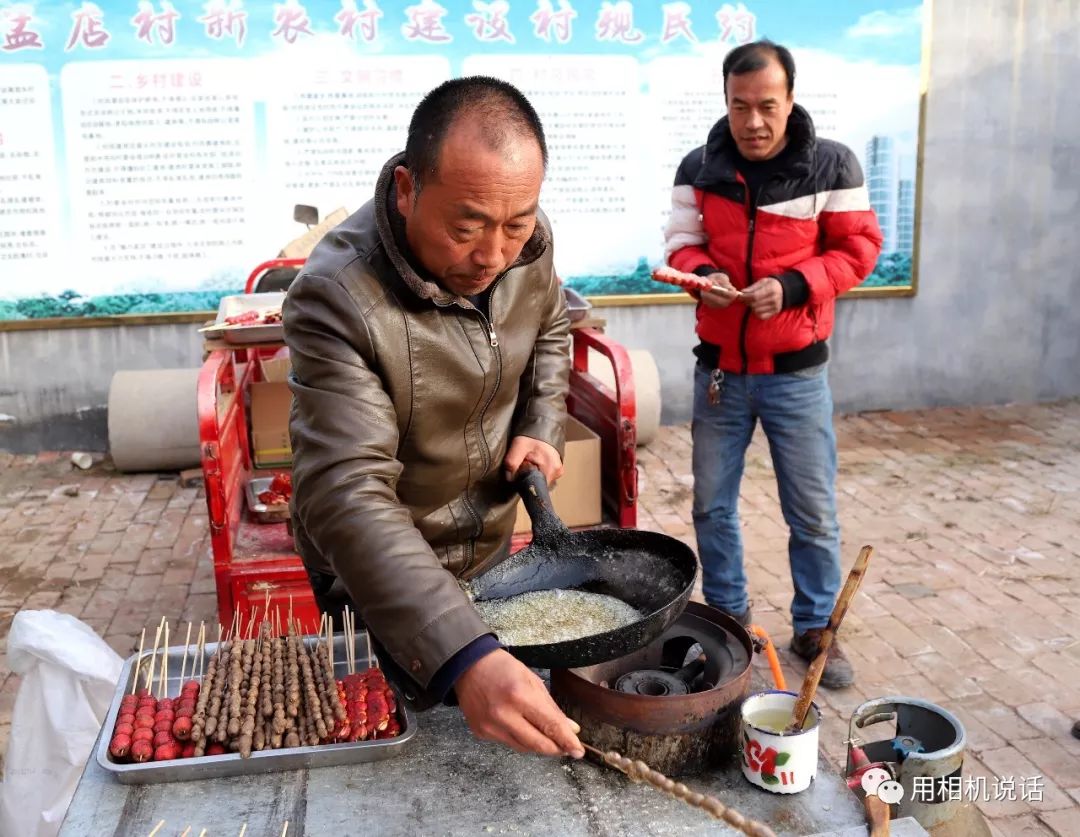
(405,400)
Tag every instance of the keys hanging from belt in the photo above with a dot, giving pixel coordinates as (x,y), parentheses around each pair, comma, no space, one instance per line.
(716,385)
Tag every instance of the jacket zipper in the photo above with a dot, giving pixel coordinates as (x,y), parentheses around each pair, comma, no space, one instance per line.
(751,201)
(485,450)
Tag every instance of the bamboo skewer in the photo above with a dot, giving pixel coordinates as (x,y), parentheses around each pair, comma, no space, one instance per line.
(638,771)
(813,675)
(163,681)
(187,831)
(183,663)
(153,657)
(157,828)
(330,644)
(224,326)
(138,662)
(243,829)
(201,649)
(345,638)
(350,640)
(285,830)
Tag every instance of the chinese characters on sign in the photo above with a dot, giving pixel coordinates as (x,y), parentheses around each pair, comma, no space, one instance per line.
(162,161)
(225,20)
(423,22)
(330,128)
(147,22)
(88,28)
(588,107)
(29,210)
(20,32)
(353,22)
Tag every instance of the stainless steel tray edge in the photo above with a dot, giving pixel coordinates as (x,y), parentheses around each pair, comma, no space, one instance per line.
(262,512)
(266,761)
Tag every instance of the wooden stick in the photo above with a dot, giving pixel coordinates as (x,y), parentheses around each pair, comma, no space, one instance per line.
(243,829)
(877,815)
(345,636)
(164,683)
(638,771)
(352,628)
(224,326)
(350,640)
(153,658)
(187,831)
(813,675)
(371,661)
(183,663)
(202,649)
(285,830)
(202,833)
(138,662)
(330,644)
(157,828)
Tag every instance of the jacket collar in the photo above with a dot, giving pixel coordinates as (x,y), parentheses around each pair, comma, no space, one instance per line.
(720,153)
(391,226)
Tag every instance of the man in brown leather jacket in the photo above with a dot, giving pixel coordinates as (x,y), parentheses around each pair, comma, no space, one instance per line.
(429,343)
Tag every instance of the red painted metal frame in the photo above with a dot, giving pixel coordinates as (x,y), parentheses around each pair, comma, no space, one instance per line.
(612,415)
(272,264)
(254,561)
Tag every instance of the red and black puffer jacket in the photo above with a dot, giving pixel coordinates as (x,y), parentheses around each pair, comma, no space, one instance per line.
(814,217)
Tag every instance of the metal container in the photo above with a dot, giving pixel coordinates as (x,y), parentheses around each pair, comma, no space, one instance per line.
(266,761)
(230,306)
(925,755)
(259,510)
(662,704)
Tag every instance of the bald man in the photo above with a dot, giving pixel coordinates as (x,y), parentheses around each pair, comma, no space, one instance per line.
(429,343)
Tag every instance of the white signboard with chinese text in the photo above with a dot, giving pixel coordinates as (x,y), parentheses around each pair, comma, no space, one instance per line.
(151,151)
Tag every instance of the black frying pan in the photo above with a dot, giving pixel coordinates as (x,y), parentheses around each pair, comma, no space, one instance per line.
(650,571)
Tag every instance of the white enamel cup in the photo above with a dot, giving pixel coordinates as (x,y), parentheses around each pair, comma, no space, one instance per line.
(778,763)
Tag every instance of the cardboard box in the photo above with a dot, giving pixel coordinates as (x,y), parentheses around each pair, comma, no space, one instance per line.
(270,406)
(275,370)
(576,496)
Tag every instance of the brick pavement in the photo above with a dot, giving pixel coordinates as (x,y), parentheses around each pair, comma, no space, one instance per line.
(972,601)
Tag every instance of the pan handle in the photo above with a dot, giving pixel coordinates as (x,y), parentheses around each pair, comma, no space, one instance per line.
(533,489)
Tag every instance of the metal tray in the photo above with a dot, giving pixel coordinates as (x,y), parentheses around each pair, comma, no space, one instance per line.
(230,306)
(266,761)
(577,307)
(260,511)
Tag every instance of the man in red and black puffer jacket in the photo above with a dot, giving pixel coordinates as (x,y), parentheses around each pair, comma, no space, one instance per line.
(780,222)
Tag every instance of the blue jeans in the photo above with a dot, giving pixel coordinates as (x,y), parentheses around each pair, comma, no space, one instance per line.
(795,411)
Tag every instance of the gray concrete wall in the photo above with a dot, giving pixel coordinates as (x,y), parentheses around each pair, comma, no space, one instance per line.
(996,318)
(54,385)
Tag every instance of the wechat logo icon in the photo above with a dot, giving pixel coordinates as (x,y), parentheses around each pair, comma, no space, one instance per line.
(877,782)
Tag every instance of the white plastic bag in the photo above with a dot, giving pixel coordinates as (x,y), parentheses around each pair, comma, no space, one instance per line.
(69,675)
